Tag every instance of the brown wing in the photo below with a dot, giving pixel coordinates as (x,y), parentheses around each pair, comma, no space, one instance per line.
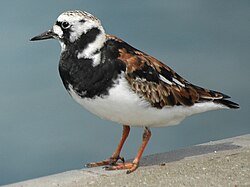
(158,83)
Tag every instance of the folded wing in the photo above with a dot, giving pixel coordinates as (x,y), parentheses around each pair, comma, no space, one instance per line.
(159,84)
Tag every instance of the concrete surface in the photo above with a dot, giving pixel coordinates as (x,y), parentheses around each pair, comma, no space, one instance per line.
(220,163)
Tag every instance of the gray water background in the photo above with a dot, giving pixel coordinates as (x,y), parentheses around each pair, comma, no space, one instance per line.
(43,131)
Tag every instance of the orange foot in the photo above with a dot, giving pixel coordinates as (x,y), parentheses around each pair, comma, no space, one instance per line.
(119,166)
(110,161)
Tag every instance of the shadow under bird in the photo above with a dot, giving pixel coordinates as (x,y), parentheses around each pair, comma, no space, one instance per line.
(118,82)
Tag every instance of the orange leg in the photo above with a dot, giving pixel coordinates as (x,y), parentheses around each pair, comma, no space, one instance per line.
(134,165)
(116,155)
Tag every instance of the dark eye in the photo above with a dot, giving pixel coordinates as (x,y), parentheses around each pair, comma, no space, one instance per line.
(65,25)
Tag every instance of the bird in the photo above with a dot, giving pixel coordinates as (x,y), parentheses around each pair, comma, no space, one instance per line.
(120,83)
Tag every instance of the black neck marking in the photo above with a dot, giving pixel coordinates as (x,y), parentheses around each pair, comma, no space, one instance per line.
(90,81)
(82,42)
(88,38)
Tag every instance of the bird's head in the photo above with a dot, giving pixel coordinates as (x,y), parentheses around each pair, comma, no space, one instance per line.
(75,27)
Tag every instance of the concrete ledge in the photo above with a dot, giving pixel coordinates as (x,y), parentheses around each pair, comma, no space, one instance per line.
(219,163)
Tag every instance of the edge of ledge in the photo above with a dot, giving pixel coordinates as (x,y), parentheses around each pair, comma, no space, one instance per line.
(90,176)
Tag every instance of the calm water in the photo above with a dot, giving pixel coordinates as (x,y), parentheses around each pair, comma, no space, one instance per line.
(43,131)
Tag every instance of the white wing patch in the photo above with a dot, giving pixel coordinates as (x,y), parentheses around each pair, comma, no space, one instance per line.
(171,83)
(165,80)
(178,82)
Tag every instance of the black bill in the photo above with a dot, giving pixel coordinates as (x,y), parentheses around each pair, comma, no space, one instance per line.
(44,36)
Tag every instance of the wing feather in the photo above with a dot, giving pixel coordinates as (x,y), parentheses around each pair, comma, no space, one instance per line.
(158,83)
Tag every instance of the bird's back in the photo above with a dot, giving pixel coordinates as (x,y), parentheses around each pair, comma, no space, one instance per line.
(156,82)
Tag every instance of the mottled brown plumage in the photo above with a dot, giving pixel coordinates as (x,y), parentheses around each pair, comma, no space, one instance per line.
(166,88)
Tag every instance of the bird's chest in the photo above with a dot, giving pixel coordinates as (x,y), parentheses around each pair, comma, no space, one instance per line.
(85,79)
(119,105)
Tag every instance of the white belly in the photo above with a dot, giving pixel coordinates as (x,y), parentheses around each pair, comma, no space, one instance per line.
(123,106)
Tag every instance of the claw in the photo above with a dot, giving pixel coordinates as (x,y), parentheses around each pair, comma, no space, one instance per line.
(110,161)
(120,166)
(122,159)
(134,167)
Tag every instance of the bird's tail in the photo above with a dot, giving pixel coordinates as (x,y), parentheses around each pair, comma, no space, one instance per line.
(216,97)
(228,103)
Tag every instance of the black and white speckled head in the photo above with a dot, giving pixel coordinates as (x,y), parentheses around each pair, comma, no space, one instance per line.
(73,24)
(80,30)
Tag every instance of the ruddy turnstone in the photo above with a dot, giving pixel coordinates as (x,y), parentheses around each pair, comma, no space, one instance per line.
(118,82)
